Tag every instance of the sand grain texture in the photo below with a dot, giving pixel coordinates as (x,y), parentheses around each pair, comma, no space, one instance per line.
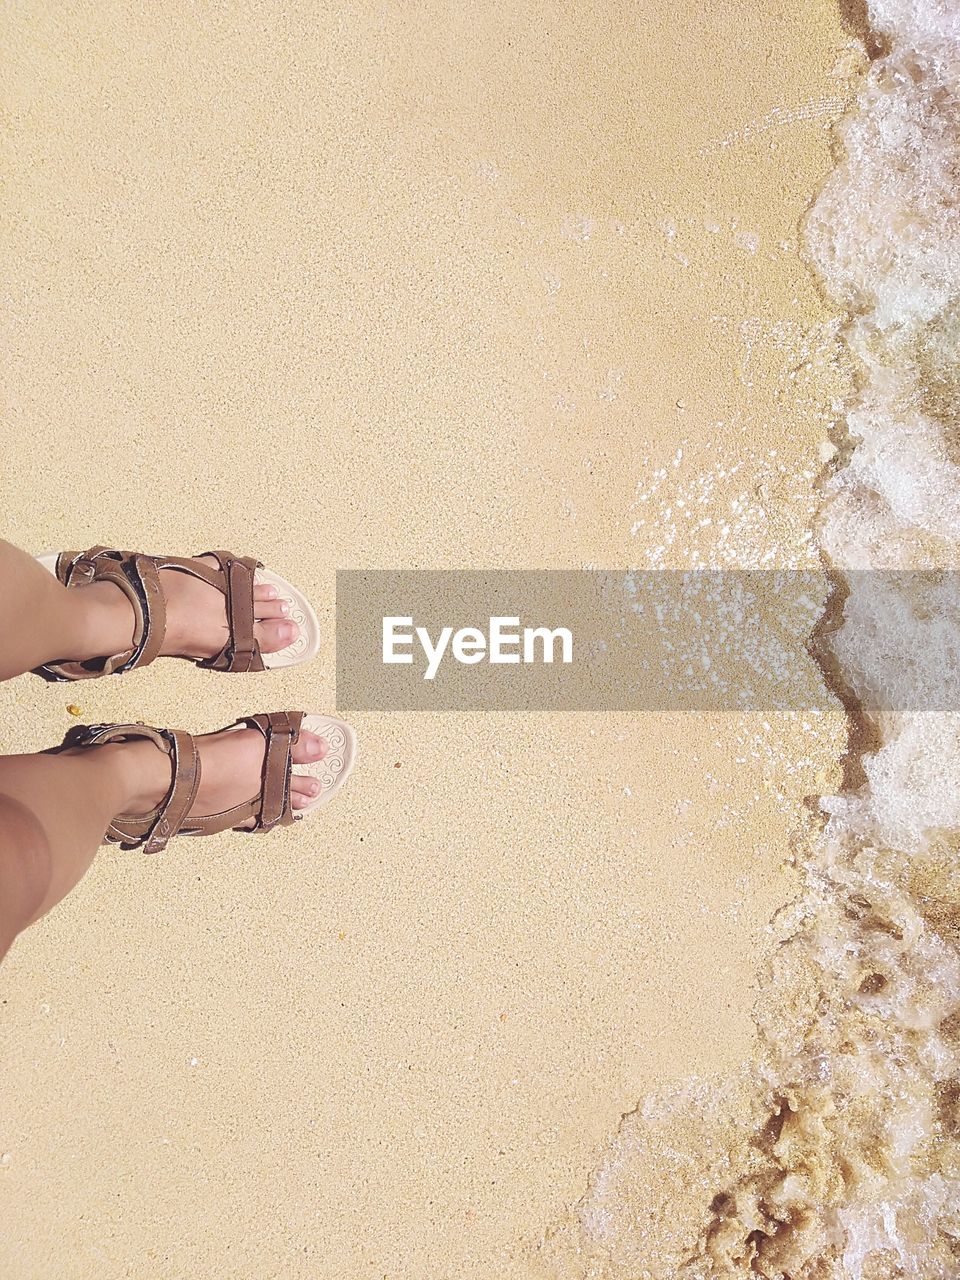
(351,286)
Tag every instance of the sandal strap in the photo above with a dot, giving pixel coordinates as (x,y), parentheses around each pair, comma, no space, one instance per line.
(236,579)
(137,576)
(151,831)
(281,730)
(271,806)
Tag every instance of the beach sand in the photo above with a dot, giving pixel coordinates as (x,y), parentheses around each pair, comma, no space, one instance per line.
(419,286)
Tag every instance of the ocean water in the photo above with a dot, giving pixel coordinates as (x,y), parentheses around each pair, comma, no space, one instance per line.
(849,1165)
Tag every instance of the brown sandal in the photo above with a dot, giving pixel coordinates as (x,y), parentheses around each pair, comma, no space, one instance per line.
(269,808)
(138,577)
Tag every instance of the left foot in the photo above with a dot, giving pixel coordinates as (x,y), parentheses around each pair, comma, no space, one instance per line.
(196,618)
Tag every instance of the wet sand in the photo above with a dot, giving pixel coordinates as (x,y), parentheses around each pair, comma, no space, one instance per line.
(371,288)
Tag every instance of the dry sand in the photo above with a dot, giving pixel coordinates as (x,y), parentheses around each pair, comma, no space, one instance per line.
(422,285)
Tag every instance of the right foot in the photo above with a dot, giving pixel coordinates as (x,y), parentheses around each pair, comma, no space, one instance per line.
(230,771)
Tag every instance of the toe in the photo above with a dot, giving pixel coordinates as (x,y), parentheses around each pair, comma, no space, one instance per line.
(302,790)
(264,591)
(264,609)
(275,635)
(309,747)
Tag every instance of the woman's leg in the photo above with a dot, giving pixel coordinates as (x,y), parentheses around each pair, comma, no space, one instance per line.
(41,620)
(54,811)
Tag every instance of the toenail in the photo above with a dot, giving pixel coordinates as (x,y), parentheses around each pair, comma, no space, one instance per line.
(284,608)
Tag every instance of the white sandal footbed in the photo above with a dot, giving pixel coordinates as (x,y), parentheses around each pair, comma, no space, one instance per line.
(307,644)
(334,769)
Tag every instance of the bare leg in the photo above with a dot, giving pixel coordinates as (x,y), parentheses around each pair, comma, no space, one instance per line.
(42,621)
(55,809)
